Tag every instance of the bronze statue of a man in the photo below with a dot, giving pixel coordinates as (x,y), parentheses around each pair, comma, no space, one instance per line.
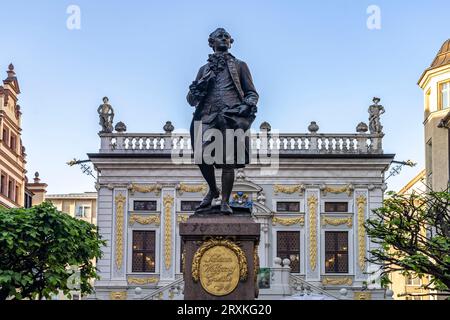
(225,98)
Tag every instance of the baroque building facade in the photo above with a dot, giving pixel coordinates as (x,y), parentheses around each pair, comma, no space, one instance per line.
(15,191)
(311,198)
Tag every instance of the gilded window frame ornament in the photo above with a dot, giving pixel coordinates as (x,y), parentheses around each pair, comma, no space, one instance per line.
(312,205)
(337,281)
(168,204)
(288,189)
(349,188)
(192,188)
(144,219)
(182,217)
(120,200)
(118,295)
(332,221)
(145,188)
(288,221)
(142,281)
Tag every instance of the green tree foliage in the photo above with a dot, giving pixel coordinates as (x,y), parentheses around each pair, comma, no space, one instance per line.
(37,247)
(414,236)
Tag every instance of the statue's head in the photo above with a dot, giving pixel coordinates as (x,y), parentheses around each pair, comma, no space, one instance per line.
(220,40)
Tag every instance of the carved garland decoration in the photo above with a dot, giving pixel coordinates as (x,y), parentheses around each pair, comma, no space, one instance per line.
(337,221)
(337,281)
(192,188)
(120,201)
(312,204)
(255,262)
(118,295)
(289,189)
(142,281)
(182,218)
(288,221)
(156,188)
(168,202)
(361,202)
(156,219)
(242,260)
(346,189)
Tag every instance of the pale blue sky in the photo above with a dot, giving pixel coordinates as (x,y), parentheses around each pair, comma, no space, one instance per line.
(310,60)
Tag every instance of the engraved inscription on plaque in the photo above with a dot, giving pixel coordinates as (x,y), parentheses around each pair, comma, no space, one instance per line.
(219,270)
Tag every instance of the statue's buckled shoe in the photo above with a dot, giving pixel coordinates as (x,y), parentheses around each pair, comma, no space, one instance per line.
(225,208)
(206,202)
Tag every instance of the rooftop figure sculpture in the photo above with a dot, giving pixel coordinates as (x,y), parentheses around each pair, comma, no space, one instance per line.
(375,111)
(106,115)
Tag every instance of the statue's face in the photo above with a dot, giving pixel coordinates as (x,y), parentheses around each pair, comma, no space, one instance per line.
(222,41)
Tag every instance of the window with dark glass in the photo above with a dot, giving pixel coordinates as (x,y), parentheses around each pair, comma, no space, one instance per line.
(336,252)
(16,194)
(10,189)
(144,205)
(288,206)
(189,205)
(336,206)
(3,184)
(143,251)
(288,247)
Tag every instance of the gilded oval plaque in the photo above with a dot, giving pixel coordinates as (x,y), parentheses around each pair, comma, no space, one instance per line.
(219,270)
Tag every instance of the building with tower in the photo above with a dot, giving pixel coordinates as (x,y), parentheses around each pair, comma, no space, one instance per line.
(435,83)
(15,191)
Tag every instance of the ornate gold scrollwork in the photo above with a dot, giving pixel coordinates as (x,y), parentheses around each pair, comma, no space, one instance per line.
(337,221)
(289,189)
(120,201)
(142,281)
(168,203)
(361,202)
(312,204)
(118,295)
(363,295)
(288,221)
(182,218)
(145,188)
(153,219)
(336,281)
(345,189)
(182,187)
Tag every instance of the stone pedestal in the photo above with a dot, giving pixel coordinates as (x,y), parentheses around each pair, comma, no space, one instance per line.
(220,257)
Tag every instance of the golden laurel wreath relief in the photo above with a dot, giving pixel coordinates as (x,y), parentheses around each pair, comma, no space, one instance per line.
(219,265)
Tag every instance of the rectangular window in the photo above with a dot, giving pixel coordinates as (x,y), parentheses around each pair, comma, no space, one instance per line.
(288,206)
(413,281)
(16,194)
(444,95)
(3,185)
(336,252)
(144,205)
(189,205)
(10,189)
(336,206)
(83,211)
(6,136)
(143,251)
(288,247)
(12,143)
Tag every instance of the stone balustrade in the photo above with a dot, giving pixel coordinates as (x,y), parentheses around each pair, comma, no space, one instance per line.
(282,143)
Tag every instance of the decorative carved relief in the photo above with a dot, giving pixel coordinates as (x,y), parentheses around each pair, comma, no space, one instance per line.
(145,188)
(168,203)
(312,204)
(182,187)
(337,221)
(142,281)
(288,221)
(361,203)
(345,189)
(153,219)
(120,201)
(337,281)
(182,218)
(118,295)
(289,189)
